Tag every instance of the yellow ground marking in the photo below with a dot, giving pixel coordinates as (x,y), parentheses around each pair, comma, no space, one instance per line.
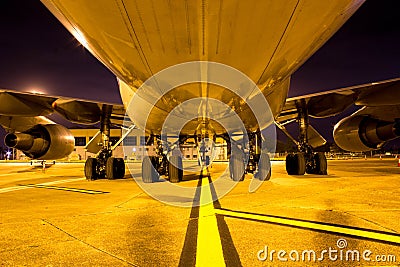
(93,192)
(209,248)
(386,237)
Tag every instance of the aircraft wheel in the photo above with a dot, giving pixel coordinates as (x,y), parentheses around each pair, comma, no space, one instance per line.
(149,173)
(115,168)
(321,165)
(175,169)
(236,166)
(264,168)
(295,164)
(90,169)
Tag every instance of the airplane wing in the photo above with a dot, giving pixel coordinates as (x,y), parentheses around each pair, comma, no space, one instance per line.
(21,110)
(374,96)
(379,101)
(23,116)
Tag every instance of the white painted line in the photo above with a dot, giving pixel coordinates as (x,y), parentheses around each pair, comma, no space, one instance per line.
(6,174)
(21,187)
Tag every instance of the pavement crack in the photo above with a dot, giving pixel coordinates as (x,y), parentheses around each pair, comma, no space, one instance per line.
(370,221)
(135,196)
(120,210)
(89,245)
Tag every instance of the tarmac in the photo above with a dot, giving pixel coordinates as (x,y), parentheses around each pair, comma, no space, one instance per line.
(350,217)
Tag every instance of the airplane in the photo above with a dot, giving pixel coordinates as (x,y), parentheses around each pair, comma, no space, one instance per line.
(264,41)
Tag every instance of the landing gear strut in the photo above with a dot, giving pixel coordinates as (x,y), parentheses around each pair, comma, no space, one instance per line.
(104,165)
(305,161)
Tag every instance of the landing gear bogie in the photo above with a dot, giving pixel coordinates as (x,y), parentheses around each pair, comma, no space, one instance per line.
(113,168)
(301,163)
(249,159)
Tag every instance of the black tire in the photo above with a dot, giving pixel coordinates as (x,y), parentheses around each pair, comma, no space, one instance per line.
(90,169)
(295,164)
(289,164)
(115,168)
(321,165)
(149,173)
(175,169)
(264,168)
(236,166)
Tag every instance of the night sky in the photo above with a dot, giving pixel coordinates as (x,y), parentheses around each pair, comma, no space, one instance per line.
(38,53)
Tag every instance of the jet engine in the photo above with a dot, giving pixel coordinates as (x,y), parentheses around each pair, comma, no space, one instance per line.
(43,142)
(362,133)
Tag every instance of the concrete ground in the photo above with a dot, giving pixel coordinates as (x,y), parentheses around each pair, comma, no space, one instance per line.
(351,217)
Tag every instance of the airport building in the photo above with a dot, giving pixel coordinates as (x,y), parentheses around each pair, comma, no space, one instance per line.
(133,145)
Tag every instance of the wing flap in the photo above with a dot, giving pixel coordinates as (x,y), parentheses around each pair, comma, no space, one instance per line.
(21,123)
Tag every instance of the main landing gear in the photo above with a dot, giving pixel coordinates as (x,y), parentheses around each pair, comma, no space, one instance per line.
(259,164)
(305,161)
(154,166)
(105,165)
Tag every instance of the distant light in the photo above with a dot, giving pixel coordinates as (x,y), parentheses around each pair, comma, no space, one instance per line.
(36,91)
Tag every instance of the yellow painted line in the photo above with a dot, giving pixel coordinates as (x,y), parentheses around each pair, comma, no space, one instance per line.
(66,189)
(209,248)
(363,233)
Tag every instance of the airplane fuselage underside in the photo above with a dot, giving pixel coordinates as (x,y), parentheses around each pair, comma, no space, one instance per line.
(266,40)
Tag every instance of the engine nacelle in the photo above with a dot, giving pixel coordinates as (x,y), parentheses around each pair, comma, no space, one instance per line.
(44,142)
(362,133)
